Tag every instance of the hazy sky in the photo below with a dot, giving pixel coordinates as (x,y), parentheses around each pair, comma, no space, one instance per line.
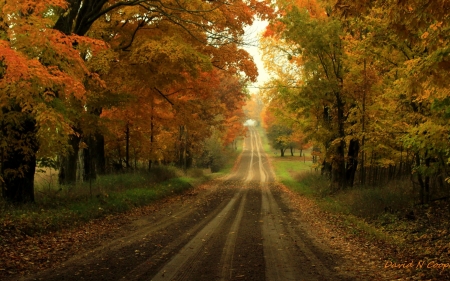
(251,36)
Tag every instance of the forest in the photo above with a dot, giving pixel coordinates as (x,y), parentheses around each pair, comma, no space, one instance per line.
(366,84)
(95,87)
(109,93)
(91,88)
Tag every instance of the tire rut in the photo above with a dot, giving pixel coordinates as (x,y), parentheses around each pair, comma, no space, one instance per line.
(239,229)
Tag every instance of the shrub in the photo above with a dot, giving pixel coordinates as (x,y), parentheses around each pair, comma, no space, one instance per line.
(196,173)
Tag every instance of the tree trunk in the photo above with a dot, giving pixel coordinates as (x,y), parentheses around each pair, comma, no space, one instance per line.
(152,138)
(338,165)
(427,180)
(182,148)
(89,171)
(282,152)
(185,152)
(68,167)
(66,21)
(326,169)
(100,163)
(420,180)
(352,162)
(127,146)
(363,127)
(19,162)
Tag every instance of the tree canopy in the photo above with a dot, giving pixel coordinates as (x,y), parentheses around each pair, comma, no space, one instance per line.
(366,80)
(117,81)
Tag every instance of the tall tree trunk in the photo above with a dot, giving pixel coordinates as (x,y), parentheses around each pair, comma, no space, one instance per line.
(66,21)
(338,165)
(152,137)
(127,146)
(420,180)
(326,169)
(181,148)
(94,157)
(100,161)
(89,170)
(352,162)
(19,162)
(185,151)
(96,149)
(427,180)
(68,166)
(363,127)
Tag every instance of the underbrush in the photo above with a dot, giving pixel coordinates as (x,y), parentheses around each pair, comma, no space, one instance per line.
(388,215)
(59,207)
(230,155)
(367,211)
(368,203)
(65,206)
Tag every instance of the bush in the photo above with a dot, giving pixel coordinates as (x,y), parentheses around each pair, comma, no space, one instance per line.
(196,173)
(213,155)
(163,173)
(367,203)
(371,203)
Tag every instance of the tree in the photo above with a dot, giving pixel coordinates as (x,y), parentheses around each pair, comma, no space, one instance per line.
(278,132)
(40,73)
(317,47)
(159,37)
(366,80)
(408,48)
(70,53)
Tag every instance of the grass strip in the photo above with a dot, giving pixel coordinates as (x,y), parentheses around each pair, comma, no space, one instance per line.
(42,217)
(58,207)
(300,177)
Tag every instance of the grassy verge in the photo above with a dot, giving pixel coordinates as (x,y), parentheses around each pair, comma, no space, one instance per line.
(385,215)
(370,212)
(59,207)
(70,206)
(266,146)
(361,211)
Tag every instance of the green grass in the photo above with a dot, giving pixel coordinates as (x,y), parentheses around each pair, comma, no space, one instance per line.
(288,168)
(293,171)
(350,206)
(59,207)
(266,146)
(361,209)
(111,195)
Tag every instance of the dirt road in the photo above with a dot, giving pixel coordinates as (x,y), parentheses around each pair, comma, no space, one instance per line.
(239,229)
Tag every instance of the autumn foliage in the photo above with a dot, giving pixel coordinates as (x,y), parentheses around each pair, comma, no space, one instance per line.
(366,81)
(97,86)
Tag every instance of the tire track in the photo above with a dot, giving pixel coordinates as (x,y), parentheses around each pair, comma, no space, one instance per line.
(239,229)
(230,244)
(181,266)
(287,256)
